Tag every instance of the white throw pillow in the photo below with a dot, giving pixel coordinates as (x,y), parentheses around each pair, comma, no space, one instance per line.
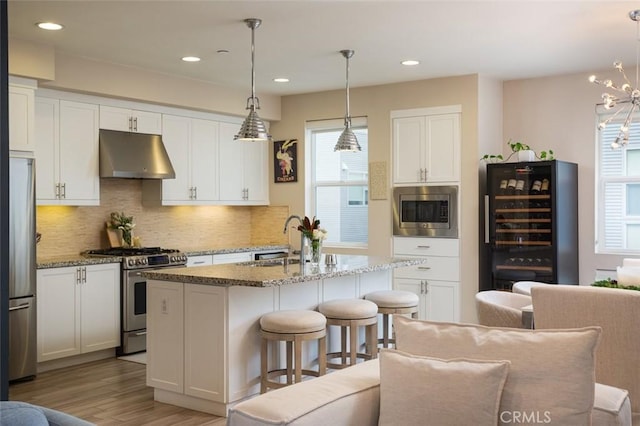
(425,391)
(552,373)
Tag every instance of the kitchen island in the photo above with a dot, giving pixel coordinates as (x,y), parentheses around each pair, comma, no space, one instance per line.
(203,341)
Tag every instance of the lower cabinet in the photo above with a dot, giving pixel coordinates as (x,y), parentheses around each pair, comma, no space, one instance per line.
(438,299)
(437,281)
(78,310)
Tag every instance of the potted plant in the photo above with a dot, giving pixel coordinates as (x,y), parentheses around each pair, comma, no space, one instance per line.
(523,151)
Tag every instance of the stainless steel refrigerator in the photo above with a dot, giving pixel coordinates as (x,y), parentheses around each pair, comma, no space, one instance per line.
(22,269)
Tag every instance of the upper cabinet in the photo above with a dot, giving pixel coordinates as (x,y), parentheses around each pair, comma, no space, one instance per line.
(67,171)
(130,120)
(243,169)
(192,145)
(21,117)
(426,145)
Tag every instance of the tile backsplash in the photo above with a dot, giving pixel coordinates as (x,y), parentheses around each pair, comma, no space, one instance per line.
(71,230)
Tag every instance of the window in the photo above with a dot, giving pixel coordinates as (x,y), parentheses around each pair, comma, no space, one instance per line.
(339,183)
(618,192)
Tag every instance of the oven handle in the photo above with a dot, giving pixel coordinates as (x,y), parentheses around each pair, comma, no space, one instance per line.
(141,333)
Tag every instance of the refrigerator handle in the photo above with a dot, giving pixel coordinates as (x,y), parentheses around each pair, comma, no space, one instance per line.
(17,308)
(486,219)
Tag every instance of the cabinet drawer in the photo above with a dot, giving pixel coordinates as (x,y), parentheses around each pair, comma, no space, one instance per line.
(414,246)
(200,260)
(435,268)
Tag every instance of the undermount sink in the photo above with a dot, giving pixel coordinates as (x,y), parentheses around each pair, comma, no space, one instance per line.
(281,261)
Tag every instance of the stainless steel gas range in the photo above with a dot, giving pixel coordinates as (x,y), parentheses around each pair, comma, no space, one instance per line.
(133,291)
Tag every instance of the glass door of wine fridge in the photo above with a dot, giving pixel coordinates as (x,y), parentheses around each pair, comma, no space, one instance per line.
(531,223)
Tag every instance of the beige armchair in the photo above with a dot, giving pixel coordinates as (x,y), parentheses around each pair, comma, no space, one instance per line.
(501,308)
(617,311)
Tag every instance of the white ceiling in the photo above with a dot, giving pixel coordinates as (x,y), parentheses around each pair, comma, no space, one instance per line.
(301,39)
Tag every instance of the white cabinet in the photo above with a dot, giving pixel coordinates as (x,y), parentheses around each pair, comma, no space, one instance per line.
(426,145)
(78,310)
(200,260)
(21,118)
(192,145)
(437,281)
(67,171)
(219,259)
(243,169)
(130,120)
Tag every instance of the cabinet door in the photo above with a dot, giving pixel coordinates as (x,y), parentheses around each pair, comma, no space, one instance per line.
(165,316)
(58,308)
(113,118)
(47,134)
(441,300)
(442,162)
(79,165)
(408,145)
(204,336)
(146,122)
(416,287)
(176,135)
(100,303)
(21,119)
(256,180)
(204,159)
(231,164)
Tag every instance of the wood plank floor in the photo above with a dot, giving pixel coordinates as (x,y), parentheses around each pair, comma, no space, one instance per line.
(107,392)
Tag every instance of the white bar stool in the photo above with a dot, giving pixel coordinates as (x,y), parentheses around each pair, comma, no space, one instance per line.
(351,314)
(293,327)
(391,302)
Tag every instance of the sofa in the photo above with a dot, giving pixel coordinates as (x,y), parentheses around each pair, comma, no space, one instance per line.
(16,413)
(454,374)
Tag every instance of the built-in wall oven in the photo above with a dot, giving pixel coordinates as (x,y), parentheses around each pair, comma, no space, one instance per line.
(425,211)
(133,292)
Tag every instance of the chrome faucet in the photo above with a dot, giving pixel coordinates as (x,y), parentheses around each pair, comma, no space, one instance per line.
(286,224)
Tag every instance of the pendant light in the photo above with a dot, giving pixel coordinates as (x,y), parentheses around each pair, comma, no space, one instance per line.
(253,128)
(347,140)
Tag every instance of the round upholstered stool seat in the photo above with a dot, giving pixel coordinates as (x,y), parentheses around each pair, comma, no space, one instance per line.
(392,302)
(292,327)
(349,315)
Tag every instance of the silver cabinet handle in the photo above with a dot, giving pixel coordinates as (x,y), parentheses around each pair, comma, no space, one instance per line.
(84,274)
(141,333)
(57,190)
(486,219)
(421,287)
(195,192)
(130,123)
(64,190)
(77,275)
(424,268)
(198,262)
(426,287)
(135,124)
(19,307)
(421,175)
(424,247)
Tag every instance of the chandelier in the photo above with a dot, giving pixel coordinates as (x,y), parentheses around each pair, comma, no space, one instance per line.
(625,98)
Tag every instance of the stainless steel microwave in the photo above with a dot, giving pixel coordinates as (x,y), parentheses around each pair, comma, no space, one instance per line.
(425,211)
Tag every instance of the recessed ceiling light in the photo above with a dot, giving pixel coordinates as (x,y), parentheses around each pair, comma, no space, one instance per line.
(191,59)
(281,80)
(410,62)
(51,26)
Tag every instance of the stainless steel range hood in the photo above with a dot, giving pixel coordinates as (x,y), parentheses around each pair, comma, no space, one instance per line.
(133,155)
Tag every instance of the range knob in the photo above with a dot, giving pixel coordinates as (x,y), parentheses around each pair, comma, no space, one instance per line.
(172,259)
(138,261)
(144,261)
(131,262)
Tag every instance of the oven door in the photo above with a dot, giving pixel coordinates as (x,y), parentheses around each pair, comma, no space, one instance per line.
(134,302)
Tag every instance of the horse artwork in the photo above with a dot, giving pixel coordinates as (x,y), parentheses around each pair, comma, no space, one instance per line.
(286,163)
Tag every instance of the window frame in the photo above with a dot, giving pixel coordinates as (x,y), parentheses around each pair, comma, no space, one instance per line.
(603,180)
(311,185)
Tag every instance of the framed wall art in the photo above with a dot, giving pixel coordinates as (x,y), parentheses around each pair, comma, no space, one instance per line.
(285,155)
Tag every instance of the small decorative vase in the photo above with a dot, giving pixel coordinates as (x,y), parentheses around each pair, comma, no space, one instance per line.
(315,251)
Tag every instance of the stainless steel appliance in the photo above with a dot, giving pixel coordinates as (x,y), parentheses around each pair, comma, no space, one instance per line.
(22,269)
(133,292)
(425,211)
